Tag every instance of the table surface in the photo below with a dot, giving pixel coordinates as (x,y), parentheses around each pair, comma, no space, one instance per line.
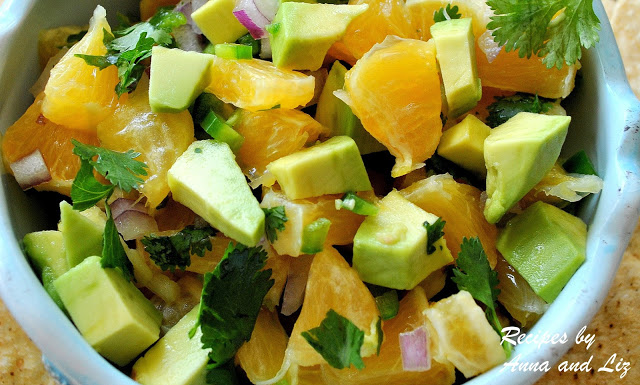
(616,326)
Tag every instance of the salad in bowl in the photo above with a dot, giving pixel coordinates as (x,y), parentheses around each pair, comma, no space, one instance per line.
(282,192)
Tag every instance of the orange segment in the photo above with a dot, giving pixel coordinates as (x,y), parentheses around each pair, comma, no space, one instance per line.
(78,95)
(160,138)
(381,19)
(258,85)
(387,367)
(279,265)
(459,205)
(395,91)
(149,8)
(332,284)
(270,135)
(174,216)
(35,132)
(422,11)
(262,355)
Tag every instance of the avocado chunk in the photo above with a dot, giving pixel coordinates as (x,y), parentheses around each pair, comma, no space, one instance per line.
(390,248)
(456,54)
(111,313)
(463,144)
(217,21)
(302,33)
(177,78)
(46,251)
(314,234)
(176,359)
(207,179)
(332,167)
(546,246)
(518,154)
(336,115)
(81,232)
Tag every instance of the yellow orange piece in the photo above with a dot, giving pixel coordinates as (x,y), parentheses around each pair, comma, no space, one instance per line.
(387,367)
(77,95)
(279,265)
(160,138)
(332,284)
(460,206)
(35,132)
(422,12)
(270,135)
(395,91)
(149,8)
(174,216)
(383,18)
(259,85)
(262,355)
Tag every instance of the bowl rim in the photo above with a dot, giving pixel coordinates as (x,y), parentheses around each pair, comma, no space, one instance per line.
(623,175)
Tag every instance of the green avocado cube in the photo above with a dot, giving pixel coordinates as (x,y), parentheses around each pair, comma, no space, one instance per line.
(217,21)
(177,78)
(463,144)
(302,33)
(332,167)
(456,54)
(46,251)
(81,232)
(390,248)
(176,359)
(115,318)
(336,115)
(207,179)
(546,246)
(518,154)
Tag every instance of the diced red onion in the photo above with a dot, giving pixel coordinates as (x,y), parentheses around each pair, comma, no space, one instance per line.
(296,284)
(187,39)
(187,7)
(133,224)
(255,15)
(265,48)
(31,170)
(121,205)
(414,348)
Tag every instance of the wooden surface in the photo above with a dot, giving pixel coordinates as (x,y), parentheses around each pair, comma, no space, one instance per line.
(616,326)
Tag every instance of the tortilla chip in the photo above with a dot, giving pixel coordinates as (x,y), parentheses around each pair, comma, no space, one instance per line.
(624,20)
(20,359)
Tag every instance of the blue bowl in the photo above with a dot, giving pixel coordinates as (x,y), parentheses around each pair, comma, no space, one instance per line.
(606,123)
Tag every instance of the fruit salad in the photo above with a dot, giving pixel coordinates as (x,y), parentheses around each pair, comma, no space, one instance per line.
(285,192)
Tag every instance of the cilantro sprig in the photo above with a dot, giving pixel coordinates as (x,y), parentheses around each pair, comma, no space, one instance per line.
(174,251)
(120,169)
(128,47)
(505,108)
(274,221)
(530,28)
(337,340)
(231,298)
(434,232)
(447,13)
(473,274)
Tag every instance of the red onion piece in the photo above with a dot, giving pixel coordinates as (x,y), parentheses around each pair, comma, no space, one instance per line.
(187,7)
(296,284)
(133,224)
(249,15)
(121,205)
(265,48)
(187,39)
(31,170)
(414,348)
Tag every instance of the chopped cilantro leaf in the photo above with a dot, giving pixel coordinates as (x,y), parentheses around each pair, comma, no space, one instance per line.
(74,38)
(174,251)
(128,47)
(434,232)
(113,254)
(337,340)
(531,28)
(505,108)
(86,191)
(121,169)
(473,274)
(231,298)
(447,13)
(274,220)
